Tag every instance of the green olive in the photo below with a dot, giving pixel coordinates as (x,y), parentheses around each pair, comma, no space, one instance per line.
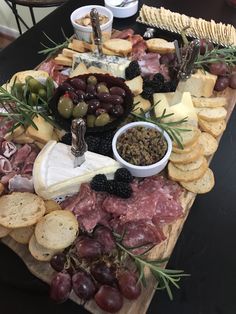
(34,85)
(42,93)
(80,110)
(102,88)
(33,99)
(18,90)
(90,120)
(65,107)
(29,77)
(92,80)
(102,119)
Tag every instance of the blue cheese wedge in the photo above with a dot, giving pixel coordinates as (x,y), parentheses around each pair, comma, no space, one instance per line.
(112,64)
(54,174)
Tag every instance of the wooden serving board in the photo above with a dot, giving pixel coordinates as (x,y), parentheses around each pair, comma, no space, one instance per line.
(43,270)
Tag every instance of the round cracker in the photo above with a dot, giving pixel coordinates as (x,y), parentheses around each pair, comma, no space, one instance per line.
(4,231)
(185,150)
(189,137)
(20,209)
(193,155)
(22,235)
(51,205)
(57,230)
(39,252)
(208,142)
(191,165)
(202,185)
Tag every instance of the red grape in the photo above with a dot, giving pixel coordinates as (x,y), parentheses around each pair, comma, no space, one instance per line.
(88,248)
(221,83)
(83,285)
(167,58)
(109,299)
(129,285)
(58,261)
(218,68)
(105,237)
(103,273)
(232,81)
(60,287)
(205,45)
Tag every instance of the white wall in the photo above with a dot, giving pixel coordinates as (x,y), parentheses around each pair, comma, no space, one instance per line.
(7,19)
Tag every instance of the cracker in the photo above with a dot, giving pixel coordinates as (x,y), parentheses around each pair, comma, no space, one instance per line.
(214,128)
(189,137)
(212,114)
(22,235)
(20,209)
(208,142)
(121,46)
(177,174)
(57,230)
(51,205)
(191,165)
(186,149)
(188,157)
(209,102)
(39,252)
(202,185)
(4,231)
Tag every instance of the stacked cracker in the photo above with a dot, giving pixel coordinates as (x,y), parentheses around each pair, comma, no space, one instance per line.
(42,225)
(218,33)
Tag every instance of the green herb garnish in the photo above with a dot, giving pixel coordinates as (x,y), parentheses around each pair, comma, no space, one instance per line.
(56,47)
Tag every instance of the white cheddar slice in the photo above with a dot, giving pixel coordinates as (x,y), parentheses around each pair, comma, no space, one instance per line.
(54,174)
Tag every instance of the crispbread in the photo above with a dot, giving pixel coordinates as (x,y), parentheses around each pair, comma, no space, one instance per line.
(208,142)
(39,252)
(212,114)
(202,185)
(57,230)
(20,77)
(209,102)
(121,46)
(186,149)
(176,174)
(20,209)
(188,157)
(22,235)
(51,205)
(214,128)
(4,231)
(160,45)
(191,165)
(189,137)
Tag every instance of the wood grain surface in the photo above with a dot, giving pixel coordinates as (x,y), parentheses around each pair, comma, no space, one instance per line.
(43,270)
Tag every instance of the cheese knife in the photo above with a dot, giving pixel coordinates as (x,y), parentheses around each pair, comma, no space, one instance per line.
(97,34)
(79,146)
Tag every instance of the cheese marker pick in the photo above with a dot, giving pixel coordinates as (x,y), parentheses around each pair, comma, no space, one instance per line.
(79,146)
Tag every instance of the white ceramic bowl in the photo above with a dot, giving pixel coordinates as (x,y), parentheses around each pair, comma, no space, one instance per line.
(142,171)
(84,32)
(122,12)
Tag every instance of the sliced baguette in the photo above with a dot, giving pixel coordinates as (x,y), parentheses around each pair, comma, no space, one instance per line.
(177,174)
(68,53)
(121,46)
(160,45)
(4,231)
(214,128)
(209,102)
(62,60)
(135,85)
(212,114)
(191,165)
(208,142)
(188,157)
(39,252)
(22,235)
(186,149)
(201,185)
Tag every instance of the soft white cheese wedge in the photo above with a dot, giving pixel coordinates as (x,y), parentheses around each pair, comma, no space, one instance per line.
(54,174)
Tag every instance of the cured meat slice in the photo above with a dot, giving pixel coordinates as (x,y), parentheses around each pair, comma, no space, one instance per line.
(5,165)
(135,39)
(150,65)
(18,159)
(139,50)
(126,33)
(8,149)
(19,183)
(29,163)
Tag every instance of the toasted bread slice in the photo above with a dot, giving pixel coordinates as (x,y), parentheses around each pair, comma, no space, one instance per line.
(135,85)
(68,53)
(121,46)
(186,149)
(177,174)
(201,185)
(208,142)
(23,139)
(160,45)
(191,165)
(212,114)
(209,102)
(22,235)
(39,252)
(4,231)
(190,136)
(62,60)
(214,128)
(51,205)
(188,157)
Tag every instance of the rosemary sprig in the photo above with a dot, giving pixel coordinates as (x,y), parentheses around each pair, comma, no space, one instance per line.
(165,277)
(56,47)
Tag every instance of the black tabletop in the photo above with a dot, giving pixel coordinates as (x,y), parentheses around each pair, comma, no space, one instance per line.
(206,246)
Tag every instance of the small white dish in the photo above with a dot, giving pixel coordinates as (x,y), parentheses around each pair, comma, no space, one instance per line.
(84,32)
(142,171)
(122,12)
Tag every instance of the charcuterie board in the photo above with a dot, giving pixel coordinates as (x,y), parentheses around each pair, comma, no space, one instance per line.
(43,270)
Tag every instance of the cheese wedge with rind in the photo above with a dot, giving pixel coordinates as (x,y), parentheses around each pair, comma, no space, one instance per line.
(54,174)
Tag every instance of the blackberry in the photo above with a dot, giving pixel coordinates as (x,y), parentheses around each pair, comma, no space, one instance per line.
(105,147)
(147,93)
(158,77)
(99,183)
(123,190)
(169,86)
(123,175)
(111,186)
(132,70)
(93,143)
(66,139)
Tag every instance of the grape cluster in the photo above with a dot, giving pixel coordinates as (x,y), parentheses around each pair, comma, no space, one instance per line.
(91,270)
(119,186)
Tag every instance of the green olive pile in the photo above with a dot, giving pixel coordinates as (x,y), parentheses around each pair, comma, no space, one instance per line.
(96,102)
(33,91)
